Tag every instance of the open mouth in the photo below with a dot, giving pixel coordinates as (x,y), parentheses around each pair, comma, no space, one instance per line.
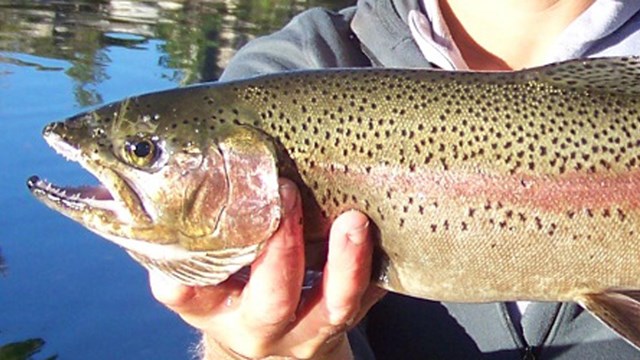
(72,198)
(68,198)
(112,197)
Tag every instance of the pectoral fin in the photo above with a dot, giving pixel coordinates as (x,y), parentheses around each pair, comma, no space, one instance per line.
(620,310)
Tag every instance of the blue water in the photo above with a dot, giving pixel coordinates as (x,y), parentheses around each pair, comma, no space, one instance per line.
(78,292)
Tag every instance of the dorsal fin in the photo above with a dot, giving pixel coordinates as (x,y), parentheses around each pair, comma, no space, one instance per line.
(619,75)
(620,310)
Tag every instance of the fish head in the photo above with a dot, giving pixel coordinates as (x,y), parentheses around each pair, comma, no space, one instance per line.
(192,197)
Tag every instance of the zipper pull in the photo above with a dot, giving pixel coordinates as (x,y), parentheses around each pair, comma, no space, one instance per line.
(528,353)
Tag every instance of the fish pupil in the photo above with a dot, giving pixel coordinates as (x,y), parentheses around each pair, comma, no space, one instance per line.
(142,149)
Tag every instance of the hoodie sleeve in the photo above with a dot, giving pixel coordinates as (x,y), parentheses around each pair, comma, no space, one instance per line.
(314,39)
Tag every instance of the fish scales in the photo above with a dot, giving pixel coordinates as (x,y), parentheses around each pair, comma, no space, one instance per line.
(450,166)
(481,186)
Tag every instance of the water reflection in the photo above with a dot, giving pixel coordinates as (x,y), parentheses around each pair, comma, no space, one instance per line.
(198,37)
(20,350)
(3,266)
(81,294)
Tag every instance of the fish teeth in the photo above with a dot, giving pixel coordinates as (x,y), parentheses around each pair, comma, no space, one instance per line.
(74,204)
(68,197)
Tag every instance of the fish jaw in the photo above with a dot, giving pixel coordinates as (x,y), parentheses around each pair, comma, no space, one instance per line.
(190,268)
(112,204)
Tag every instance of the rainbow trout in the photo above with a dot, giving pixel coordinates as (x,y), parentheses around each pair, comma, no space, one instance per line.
(482,186)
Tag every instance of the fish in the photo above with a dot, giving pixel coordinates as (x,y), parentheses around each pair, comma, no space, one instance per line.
(480,186)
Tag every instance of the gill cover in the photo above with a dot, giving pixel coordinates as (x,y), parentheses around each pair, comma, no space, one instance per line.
(251,212)
(229,215)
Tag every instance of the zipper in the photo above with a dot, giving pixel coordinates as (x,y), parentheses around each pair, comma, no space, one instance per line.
(529,353)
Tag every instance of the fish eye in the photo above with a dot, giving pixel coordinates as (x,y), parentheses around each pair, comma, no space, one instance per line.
(143,148)
(141,152)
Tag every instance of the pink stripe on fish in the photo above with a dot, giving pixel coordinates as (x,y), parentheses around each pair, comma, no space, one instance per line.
(548,192)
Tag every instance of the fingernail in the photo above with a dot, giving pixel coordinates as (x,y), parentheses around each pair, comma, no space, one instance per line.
(288,196)
(358,235)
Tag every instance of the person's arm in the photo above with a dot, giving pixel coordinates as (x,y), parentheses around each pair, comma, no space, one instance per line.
(315,39)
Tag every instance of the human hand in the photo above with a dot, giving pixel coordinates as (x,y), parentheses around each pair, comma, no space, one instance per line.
(264,317)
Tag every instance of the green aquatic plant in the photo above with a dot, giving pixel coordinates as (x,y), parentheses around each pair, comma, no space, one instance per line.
(23,350)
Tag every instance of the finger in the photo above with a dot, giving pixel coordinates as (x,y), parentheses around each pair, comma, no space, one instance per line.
(169,292)
(272,294)
(345,280)
(348,271)
(193,304)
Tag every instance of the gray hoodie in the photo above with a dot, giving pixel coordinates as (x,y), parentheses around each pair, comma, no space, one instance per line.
(375,33)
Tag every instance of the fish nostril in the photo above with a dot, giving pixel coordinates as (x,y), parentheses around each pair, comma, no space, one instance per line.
(78,122)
